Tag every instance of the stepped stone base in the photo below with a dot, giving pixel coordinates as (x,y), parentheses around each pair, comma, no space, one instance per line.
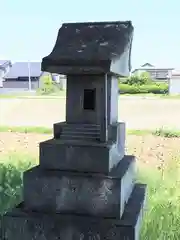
(27,225)
(88,132)
(71,131)
(75,192)
(80,155)
(97,157)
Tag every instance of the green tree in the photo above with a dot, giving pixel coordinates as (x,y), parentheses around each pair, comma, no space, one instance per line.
(145,78)
(137,79)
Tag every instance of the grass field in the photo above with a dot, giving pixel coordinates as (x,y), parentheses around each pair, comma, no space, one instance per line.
(158,162)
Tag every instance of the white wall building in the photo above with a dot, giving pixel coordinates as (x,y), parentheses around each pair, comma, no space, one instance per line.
(61,80)
(157,74)
(174,82)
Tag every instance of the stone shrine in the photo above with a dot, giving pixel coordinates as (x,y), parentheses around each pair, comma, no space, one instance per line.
(85,186)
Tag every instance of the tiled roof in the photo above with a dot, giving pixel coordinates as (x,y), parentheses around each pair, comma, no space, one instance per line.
(4,63)
(20,69)
(147,65)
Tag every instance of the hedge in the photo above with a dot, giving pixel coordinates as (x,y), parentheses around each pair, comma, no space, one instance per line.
(161,88)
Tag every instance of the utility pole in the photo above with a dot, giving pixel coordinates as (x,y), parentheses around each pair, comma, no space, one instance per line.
(29,73)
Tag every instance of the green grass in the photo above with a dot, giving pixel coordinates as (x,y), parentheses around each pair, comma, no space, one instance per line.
(162,96)
(39,130)
(17,95)
(139,132)
(29,95)
(61,94)
(142,95)
(12,167)
(162,213)
(163,132)
(165,96)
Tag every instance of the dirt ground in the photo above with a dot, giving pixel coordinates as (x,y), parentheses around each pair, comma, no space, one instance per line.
(148,149)
(138,113)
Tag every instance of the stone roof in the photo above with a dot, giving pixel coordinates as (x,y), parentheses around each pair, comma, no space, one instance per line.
(98,47)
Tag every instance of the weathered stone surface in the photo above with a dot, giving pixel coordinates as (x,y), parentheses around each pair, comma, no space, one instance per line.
(56,154)
(104,87)
(118,134)
(82,155)
(23,225)
(82,193)
(84,187)
(71,131)
(95,48)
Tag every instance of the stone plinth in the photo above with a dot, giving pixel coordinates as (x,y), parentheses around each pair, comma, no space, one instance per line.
(78,192)
(28,225)
(82,155)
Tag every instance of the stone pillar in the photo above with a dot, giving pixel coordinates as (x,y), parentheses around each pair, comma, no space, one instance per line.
(83,188)
(104,113)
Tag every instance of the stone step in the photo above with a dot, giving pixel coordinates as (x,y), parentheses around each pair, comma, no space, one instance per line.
(79,137)
(80,193)
(71,134)
(20,224)
(78,126)
(86,131)
(82,126)
(64,130)
(80,133)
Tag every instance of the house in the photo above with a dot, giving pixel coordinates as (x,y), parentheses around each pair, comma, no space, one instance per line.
(5,66)
(174,83)
(61,80)
(18,75)
(156,73)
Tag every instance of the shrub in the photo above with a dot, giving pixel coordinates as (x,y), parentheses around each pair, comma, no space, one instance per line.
(142,79)
(48,86)
(12,167)
(161,88)
(168,133)
(128,89)
(154,88)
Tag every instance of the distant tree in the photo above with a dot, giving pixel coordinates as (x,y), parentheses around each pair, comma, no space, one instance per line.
(137,79)
(145,78)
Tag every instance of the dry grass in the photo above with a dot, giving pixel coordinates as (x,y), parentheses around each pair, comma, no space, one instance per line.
(149,149)
(162,218)
(27,143)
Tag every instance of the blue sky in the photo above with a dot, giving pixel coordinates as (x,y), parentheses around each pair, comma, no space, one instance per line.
(29,28)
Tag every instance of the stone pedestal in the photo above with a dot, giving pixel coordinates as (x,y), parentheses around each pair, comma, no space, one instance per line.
(28,225)
(85,185)
(72,196)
